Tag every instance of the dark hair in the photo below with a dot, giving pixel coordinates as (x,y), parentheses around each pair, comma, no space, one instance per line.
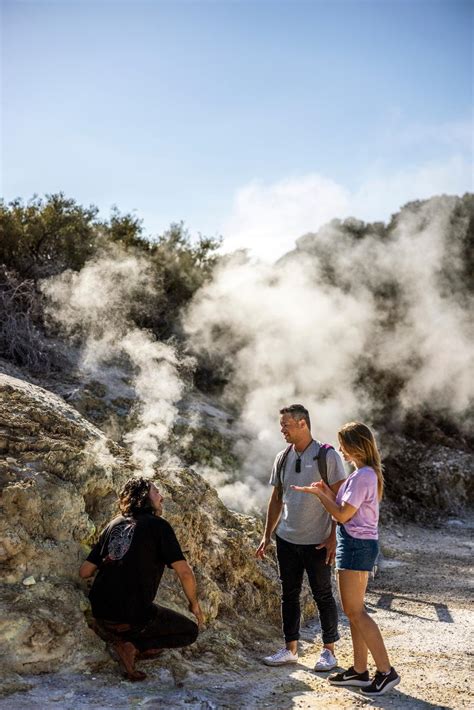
(134,497)
(297,412)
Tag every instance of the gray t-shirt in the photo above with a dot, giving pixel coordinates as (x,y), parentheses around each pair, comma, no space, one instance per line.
(304,520)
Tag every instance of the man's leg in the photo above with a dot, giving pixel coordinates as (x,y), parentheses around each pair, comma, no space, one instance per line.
(120,648)
(319,577)
(166,629)
(290,564)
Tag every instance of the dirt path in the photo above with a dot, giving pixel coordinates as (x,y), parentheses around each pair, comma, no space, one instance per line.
(420,598)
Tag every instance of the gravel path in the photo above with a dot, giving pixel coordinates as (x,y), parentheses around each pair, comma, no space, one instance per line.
(420,598)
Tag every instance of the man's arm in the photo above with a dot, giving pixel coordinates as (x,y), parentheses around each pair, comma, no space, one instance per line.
(87,569)
(188,583)
(330,544)
(274,509)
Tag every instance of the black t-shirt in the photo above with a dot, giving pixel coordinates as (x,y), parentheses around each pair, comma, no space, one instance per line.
(131,555)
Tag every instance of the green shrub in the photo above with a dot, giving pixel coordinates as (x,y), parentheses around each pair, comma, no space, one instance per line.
(43,237)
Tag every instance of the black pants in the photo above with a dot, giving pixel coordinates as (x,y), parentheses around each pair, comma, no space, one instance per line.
(165,629)
(293,560)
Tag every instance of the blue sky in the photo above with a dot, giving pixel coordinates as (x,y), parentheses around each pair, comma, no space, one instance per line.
(255,119)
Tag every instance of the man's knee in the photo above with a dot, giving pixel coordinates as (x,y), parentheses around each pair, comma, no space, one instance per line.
(290,593)
(193,632)
(291,586)
(321,586)
(187,635)
(322,593)
(188,630)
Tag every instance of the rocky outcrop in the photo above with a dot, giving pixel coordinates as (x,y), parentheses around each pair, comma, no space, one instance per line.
(425,482)
(59,477)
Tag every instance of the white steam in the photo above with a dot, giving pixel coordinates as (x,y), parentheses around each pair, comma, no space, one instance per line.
(292,338)
(308,329)
(96,302)
(268,217)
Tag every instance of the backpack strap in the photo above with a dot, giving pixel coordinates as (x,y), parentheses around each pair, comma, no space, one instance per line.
(321,458)
(279,470)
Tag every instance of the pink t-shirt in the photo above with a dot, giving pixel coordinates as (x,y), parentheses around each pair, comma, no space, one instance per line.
(360,491)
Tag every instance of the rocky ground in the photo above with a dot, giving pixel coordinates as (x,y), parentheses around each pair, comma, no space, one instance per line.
(59,482)
(420,598)
(59,477)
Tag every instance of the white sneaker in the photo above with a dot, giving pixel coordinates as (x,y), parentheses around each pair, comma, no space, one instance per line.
(326,662)
(281,658)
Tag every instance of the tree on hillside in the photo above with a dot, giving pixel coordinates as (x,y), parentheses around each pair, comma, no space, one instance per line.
(181,267)
(41,238)
(44,237)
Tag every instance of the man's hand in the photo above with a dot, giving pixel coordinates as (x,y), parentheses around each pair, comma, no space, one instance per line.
(262,548)
(188,582)
(330,544)
(87,570)
(195,609)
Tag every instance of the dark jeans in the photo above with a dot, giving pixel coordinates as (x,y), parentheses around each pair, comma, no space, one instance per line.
(293,560)
(165,629)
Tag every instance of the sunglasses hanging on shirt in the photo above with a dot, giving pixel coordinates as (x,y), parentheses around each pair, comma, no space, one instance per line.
(298,458)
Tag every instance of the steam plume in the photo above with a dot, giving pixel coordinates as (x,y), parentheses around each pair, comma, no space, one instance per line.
(96,302)
(305,328)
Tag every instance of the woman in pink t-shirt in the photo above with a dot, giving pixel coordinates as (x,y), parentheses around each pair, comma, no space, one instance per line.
(356,511)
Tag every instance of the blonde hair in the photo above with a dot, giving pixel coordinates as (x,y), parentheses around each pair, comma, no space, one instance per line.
(358,441)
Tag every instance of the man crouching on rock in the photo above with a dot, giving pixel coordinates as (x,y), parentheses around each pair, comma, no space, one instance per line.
(129,558)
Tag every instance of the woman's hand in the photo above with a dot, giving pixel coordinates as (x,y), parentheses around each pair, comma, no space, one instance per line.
(322,487)
(325,495)
(308,489)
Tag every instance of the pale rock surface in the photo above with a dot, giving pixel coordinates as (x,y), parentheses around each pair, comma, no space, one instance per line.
(59,477)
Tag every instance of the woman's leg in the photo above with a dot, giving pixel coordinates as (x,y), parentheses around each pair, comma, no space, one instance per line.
(352,586)
(358,644)
(360,649)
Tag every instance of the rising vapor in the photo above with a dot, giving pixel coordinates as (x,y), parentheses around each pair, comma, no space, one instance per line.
(97,303)
(344,304)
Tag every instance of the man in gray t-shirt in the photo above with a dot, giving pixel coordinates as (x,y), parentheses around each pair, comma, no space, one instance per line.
(305,534)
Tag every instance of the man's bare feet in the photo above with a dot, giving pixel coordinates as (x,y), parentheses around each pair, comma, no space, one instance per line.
(125,653)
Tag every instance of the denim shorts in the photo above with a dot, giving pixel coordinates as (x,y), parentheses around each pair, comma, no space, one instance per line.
(354,552)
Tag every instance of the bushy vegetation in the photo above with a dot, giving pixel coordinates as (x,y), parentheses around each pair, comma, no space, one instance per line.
(46,236)
(22,339)
(180,268)
(43,237)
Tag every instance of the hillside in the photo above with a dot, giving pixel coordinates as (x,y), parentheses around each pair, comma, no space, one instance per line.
(122,355)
